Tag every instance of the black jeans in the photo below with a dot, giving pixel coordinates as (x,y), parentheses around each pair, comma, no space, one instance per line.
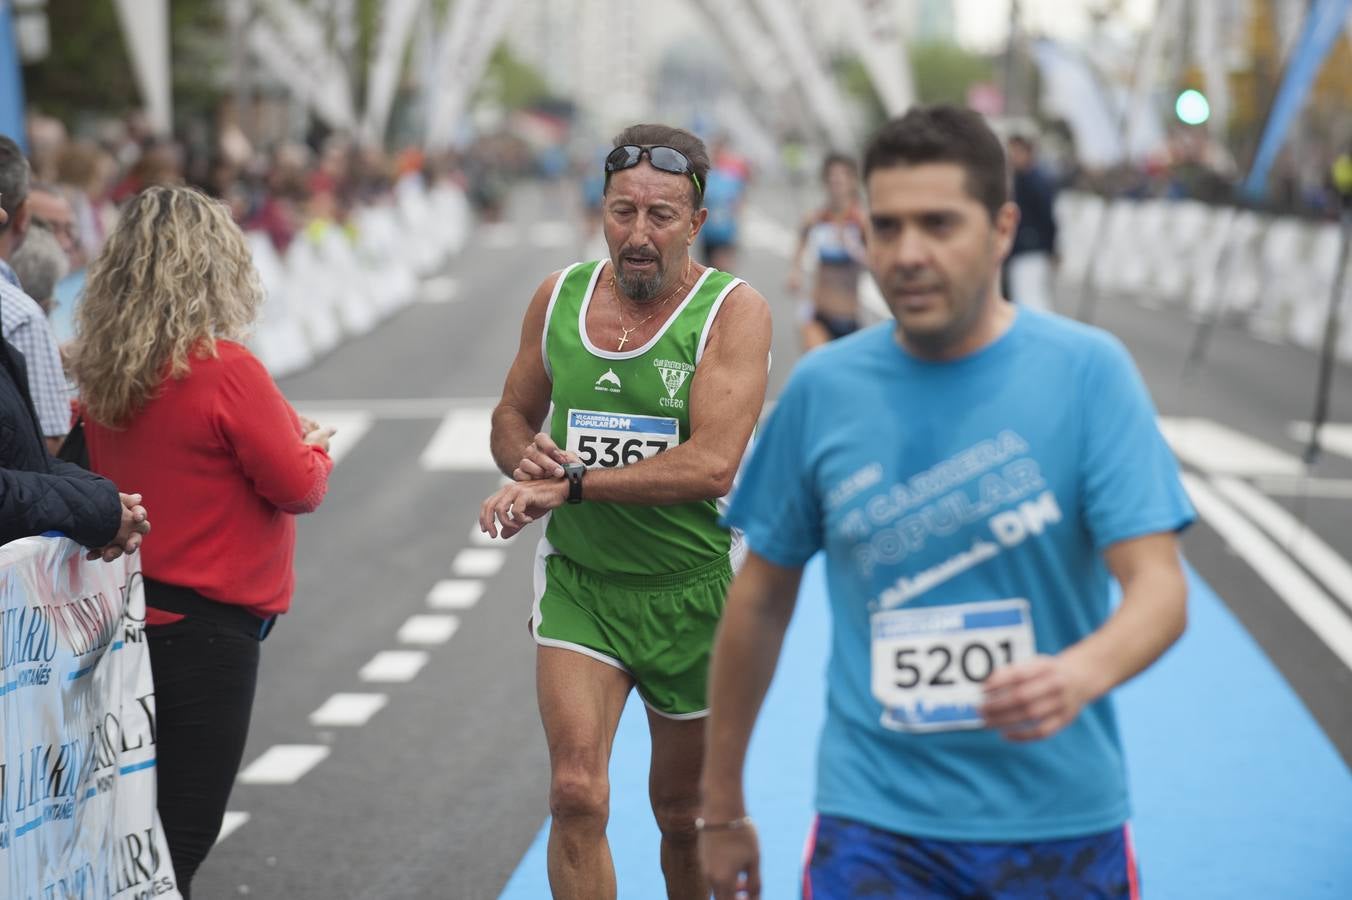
(205,674)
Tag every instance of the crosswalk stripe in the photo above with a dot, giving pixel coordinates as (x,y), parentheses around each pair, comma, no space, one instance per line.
(284,764)
(392,666)
(439,290)
(1333,437)
(499,235)
(348,710)
(455,593)
(477,562)
(230,823)
(424,629)
(1218,449)
(350,424)
(460,443)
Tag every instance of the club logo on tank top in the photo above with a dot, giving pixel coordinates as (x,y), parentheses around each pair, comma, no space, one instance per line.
(674,375)
(609,382)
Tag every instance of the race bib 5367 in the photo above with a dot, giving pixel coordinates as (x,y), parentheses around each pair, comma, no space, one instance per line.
(610,440)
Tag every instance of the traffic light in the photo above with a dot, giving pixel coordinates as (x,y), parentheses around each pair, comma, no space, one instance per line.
(1192,107)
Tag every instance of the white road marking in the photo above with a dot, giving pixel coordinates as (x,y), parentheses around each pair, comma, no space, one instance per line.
(1299,486)
(1216,449)
(552,234)
(424,629)
(461,443)
(283,764)
(1314,607)
(391,666)
(348,710)
(1333,437)
(477,562)
(230,823)
(766,233)
(455,594)
(439,290)
(1294,536)
(350,425)
(499,235)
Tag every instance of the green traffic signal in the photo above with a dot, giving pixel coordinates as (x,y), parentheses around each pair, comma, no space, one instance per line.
(1192,107)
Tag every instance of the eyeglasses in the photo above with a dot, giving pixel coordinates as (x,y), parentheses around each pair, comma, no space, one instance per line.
(664,159)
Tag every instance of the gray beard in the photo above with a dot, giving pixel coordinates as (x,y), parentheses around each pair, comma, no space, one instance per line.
(641,288)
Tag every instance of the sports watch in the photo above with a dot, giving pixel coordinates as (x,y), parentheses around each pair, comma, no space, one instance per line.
(574,471)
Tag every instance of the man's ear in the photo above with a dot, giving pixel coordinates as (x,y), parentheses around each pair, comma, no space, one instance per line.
(696,223)
(19,222)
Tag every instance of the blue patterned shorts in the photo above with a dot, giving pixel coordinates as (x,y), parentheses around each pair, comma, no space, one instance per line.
(850,860)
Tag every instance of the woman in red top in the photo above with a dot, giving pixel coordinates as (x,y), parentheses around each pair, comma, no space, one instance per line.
(173,403)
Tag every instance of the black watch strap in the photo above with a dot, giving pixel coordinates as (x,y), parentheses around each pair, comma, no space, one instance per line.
(574,472)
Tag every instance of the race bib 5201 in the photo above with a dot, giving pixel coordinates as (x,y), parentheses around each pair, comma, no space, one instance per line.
(609,440)
(929,664)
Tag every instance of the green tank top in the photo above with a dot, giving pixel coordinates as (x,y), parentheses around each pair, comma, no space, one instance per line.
(615,407)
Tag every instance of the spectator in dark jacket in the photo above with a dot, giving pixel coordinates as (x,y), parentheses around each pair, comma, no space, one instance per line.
(1033,257)
(40,494)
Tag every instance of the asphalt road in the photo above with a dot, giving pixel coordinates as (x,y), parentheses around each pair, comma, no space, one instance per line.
(439,793)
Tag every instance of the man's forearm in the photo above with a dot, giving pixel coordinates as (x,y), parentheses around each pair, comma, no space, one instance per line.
(744,659)
(1151,617)
(511,434)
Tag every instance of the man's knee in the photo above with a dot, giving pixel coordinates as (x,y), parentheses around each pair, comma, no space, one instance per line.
(579,795)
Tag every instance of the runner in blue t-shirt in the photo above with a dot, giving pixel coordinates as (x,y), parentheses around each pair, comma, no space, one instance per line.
(975,476)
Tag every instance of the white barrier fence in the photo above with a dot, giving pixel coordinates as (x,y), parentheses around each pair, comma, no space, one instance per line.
(1273,274)
(77,729)
(332,285)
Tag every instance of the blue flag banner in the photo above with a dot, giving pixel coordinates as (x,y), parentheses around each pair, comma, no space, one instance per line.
(11,79)
(1323,26)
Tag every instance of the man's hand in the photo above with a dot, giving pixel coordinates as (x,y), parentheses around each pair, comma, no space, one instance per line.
(517,505)
(135,524)
(542,459)
(1032,700)
(731,862)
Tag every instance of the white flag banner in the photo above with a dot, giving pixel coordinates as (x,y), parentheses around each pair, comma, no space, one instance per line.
(825,101)
(749,44)
(472,33)
(397,18)
(77,729)
(145,28)
(289,40)
(876,36)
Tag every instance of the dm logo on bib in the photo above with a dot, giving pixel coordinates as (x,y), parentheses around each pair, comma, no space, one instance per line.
(608,383)
(674,375)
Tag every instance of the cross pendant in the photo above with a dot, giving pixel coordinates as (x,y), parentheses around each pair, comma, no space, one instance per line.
(624,337)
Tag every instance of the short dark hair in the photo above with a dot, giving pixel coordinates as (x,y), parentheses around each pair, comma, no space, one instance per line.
(1021,141)
(839,159)
(654,135)
(944,133)
(14,178)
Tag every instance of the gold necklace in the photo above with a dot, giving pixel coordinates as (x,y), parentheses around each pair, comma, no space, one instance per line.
(619,307)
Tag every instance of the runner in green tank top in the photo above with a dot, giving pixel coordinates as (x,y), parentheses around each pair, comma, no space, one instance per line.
(655,369)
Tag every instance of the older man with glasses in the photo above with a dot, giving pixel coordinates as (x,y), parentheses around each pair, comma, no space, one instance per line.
(656,369)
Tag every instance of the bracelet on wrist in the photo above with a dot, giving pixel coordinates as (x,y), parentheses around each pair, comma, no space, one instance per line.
(729,825)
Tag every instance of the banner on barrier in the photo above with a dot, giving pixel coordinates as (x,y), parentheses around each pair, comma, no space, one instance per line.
(77,729)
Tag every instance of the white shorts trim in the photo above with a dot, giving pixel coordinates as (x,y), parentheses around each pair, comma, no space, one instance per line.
(677,717)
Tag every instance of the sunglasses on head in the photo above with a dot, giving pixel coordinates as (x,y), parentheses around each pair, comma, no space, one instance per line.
(664,159)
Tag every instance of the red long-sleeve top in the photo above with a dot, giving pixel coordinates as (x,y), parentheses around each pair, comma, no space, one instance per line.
(219,462)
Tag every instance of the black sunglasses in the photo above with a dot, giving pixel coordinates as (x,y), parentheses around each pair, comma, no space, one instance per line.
(664,159)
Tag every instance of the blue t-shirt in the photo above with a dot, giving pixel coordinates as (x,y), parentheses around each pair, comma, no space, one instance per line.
(722,193)
(1004,474)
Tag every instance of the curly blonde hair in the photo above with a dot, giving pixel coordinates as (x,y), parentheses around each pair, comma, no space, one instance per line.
(175,276)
